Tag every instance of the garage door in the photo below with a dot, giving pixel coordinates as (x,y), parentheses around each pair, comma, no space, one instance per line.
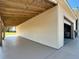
(67,22)
(67,28)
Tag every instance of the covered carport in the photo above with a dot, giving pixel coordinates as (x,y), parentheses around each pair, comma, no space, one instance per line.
(15,12)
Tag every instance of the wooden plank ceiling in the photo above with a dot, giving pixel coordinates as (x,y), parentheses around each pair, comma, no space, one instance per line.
(14,12)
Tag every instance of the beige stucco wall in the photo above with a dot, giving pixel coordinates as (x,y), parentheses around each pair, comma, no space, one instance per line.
(61,13)
(73,20)
(42,28)
(60,27)
(46,28)
(67,11)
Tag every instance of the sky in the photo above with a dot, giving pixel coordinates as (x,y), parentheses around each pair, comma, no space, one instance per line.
(74,3)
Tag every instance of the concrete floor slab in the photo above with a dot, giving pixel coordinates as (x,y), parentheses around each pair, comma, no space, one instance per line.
(21,48)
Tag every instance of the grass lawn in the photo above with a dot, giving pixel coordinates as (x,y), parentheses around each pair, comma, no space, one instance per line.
(10,33)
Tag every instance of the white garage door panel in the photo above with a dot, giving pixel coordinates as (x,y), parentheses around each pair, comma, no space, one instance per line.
(67,22)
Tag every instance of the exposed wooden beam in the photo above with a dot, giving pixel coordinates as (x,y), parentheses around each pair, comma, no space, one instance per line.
(17,14)
(14,21)
(3,9)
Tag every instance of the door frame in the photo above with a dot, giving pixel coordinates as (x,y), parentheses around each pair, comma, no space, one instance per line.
(72,27)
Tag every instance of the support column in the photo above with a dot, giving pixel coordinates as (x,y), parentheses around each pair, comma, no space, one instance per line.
(78,27)
(3,33)
(0,34)
(2,29)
